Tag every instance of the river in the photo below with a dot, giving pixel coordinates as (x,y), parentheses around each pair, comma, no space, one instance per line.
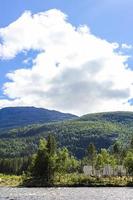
(66,193)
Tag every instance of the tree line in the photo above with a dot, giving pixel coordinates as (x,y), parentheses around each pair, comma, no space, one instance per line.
(50,160)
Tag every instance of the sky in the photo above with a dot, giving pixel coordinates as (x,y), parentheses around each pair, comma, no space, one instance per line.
(72,56)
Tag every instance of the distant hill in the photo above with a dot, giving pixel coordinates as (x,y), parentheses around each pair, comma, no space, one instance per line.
(117,117)
(102,129)
(13,117)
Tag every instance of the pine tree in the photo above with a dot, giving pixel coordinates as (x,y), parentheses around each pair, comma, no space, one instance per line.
(51,161)
(39,162)
(44,162)
(91,153)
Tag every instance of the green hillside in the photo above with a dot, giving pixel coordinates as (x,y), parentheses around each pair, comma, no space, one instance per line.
(116,117)
(102,129)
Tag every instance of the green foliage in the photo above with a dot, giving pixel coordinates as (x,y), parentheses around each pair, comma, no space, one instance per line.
(116,149)
(105,158)
(10,180)
(75,135)
(43,164)
(51,145)
(40,160)
(128,161)
(14,165)
(57,166)
(49,161)
(99,161)
(131,143)
(66,162)
(91,154)
(101,129)
(71,179)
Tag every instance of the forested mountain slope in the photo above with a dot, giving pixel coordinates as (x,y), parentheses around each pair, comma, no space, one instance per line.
(116,117)
(102,129)
(13,117)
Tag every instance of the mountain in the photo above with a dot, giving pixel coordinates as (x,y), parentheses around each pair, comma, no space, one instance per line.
(13,117)
(102,129)
(117,117)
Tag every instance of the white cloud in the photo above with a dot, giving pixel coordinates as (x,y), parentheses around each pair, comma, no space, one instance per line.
(126,46)
(74,71)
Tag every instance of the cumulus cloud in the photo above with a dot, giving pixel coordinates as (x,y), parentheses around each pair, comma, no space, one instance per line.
(74,70)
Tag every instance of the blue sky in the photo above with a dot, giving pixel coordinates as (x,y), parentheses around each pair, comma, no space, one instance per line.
(110,20)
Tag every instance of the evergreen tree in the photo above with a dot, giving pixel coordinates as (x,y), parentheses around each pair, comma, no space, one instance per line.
(44,162)
(40,160)
(51,158)
(117,151)
(51,145)
(91,153)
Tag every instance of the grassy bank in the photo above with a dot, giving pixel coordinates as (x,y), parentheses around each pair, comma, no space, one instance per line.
(67,180)
(80,180)
(10,180)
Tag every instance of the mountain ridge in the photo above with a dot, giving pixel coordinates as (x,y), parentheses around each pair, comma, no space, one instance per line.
(116,116)
(13,117)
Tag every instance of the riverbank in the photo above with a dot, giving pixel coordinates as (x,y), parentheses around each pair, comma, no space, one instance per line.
(67,180)
(10,180)
(72,180)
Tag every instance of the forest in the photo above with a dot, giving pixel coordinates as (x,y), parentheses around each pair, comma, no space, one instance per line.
(95,139)
(100,129)
(52,165)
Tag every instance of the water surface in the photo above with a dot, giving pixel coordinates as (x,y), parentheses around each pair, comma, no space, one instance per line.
(66,193)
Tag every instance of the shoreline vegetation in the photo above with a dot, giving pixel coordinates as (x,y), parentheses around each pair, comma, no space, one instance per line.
(68,180)
(54,167)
